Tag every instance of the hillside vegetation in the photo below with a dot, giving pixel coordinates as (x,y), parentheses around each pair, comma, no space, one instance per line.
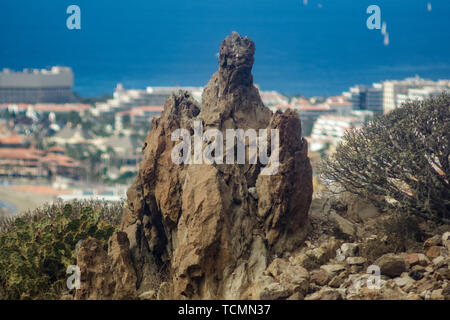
(37,247)
(400,161)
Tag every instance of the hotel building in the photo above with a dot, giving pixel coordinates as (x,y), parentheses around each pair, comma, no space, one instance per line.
(37,86)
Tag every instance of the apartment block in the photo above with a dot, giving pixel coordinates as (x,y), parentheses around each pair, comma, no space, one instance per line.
(37,86)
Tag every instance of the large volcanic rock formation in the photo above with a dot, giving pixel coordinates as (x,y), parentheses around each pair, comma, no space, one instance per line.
(208,230)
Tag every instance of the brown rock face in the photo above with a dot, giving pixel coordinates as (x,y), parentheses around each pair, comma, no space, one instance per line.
(106,276)
(211,229)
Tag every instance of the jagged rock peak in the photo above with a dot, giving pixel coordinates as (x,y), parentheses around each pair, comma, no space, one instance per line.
(209,230)
(230,100)
(236,60)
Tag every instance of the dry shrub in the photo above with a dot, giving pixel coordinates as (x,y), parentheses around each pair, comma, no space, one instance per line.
(400,161)
(399,232)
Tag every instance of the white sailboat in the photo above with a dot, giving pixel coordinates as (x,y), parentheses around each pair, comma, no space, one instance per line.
(383,28)
(386,39)
(429,8)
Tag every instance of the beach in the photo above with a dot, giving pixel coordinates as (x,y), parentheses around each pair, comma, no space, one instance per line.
(25,197)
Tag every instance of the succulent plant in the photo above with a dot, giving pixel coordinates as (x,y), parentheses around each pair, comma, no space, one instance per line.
(37,247)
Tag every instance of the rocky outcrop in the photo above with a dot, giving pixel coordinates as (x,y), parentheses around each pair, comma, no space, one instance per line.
(210,230)
(106,276)
(228,231)
(346,275)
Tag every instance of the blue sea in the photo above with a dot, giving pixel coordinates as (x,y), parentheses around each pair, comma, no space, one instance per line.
(9,206)
(320,48)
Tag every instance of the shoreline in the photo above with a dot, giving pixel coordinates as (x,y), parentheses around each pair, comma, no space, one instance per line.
(23,200)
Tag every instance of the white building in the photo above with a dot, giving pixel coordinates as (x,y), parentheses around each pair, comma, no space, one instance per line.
(152,96)
(339,105)
(419,94)
(273,98)
(137,116)
(366,98)
(37,85)
(393,88)
(330,129)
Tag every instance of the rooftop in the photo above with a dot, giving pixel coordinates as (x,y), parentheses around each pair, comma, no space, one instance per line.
(18,153)
(12,140)
(48,107)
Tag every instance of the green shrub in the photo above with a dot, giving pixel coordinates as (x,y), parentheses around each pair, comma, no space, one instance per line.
(399,161)
(403,232)
(399,232)
(36,249)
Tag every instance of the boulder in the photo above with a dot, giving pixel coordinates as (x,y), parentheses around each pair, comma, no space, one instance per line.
(416,273)
(148,295)
(435,240)
(262,282)
(413,296)
(356,260)
(319,277)
(391,265)
(404,281)
(437,295)
(438,260)
(331,294)
(319,255)
(296,296)
(446,244)
(349,249)
(274,291)
(295,279)
(326,294)
(445,236)
(414,259)
(338,280)
(446,293)
(277,267)
(443,272)
(433,252)
(332,269)
(345,226)
(441,262)
(425,285)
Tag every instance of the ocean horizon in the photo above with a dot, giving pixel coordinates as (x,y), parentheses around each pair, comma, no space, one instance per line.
(300,49)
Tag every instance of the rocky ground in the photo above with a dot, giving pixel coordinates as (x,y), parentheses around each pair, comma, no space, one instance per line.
(333,263)
(327,268)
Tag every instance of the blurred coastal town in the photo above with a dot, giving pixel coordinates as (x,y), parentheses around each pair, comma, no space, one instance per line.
(57,145)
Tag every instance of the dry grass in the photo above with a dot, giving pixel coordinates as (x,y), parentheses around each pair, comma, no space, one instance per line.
(108,211)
